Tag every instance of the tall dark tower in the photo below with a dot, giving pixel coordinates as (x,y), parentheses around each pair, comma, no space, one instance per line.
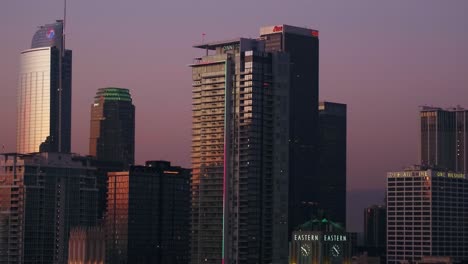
(444,134)
(332,161)
(44,93)
(302,45)
(112,135)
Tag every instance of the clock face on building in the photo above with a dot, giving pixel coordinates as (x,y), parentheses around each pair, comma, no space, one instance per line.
(335,250)
(305,250)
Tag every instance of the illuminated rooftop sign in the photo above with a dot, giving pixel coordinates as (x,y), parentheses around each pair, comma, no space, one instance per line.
(428,173)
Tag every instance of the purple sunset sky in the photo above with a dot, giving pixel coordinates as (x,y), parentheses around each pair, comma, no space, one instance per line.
(382,58)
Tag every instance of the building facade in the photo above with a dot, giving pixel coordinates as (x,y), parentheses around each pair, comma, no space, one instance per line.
(112,129)
(87,246)
(147,218)
(444,134)
(240,154)
(302,46)
(331,196)
(42,197)
(426,215)
(375,230)
(44,93)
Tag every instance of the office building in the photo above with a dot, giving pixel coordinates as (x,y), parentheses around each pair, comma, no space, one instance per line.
(240,153)
(112,135)
(87,246)
(302,46)
(375,230)
(101,168)
(444,134)
(42,197)
(426,215)
(331,196)
(44,93)
(147,218)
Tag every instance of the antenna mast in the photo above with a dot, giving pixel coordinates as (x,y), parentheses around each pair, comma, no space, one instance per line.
(64,23)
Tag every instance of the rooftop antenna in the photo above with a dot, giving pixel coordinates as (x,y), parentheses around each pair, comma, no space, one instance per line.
(203,42)
(64,24)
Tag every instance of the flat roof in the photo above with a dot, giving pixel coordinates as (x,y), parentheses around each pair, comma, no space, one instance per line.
(214,44)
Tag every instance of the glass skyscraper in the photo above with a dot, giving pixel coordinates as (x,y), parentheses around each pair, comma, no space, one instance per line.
(444,135)
(44,93)
(331,191)
(112,135)
(302,45)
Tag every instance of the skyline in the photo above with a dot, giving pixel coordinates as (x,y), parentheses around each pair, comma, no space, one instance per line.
(160,68)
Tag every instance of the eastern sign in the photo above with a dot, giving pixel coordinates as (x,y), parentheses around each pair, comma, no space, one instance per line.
(324,237)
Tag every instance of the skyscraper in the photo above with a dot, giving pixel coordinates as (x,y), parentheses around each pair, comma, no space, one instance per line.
(42,197)
(147,218)
(331,194)
(240,153)
(302,46)
(427,211)
(375,230)
(112,135)
(444,134)
(44,93)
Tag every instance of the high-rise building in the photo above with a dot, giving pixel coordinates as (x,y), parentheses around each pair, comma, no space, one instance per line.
(44,93)
(42,197)
(427,212)
(302,46)
(148,212)
(112,135)
(331,196)
(444,134)
(375,230)
(240,154)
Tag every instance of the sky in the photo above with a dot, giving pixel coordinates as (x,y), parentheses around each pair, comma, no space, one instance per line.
(383,59)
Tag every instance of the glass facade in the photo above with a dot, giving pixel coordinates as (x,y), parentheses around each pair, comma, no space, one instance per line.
(44,94)
(443,138)
(33,120)
(332,161)
(147,219)
(302,45)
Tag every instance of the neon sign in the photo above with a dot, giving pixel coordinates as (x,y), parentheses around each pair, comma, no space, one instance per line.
(277,29)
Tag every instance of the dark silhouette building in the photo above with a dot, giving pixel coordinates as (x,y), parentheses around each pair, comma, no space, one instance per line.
(302,46)
(43,196)
(375,230)
(331,194)
(44,93)
(147,218)
(112,135)
(444,134)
